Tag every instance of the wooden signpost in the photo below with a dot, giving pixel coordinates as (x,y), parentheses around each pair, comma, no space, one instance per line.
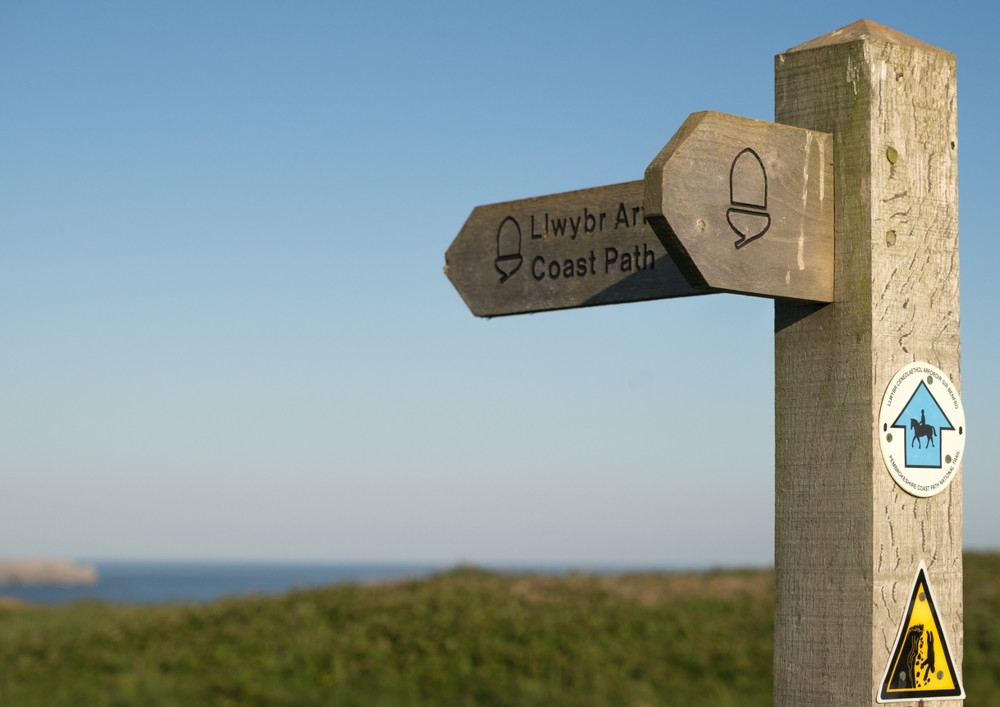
(849,220)
(848,539)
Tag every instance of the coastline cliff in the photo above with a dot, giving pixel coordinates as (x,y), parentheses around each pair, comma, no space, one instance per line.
(39,571)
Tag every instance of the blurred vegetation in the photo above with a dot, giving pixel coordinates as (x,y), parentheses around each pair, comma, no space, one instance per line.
(465,638)
(981,664)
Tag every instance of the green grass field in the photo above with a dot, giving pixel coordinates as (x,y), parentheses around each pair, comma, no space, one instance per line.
(466,637)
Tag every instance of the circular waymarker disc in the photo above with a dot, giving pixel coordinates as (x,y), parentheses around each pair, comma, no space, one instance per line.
(922,429)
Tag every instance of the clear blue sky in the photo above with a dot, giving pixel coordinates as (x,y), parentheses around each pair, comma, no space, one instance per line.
(224,328)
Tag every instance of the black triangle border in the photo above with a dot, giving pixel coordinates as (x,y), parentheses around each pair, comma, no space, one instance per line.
(958,692)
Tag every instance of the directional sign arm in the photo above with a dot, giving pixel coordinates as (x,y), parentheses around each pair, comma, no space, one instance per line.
(746,206)
(576,249)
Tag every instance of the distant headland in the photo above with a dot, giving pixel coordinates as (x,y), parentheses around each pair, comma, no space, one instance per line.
(40,571)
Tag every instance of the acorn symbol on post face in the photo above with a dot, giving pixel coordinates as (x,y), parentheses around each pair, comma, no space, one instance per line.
(508,248)
(748,215)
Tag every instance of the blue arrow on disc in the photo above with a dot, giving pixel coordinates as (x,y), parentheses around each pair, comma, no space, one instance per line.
(923,421)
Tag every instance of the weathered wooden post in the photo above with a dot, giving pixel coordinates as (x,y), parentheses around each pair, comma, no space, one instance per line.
(848,539)
(849,219)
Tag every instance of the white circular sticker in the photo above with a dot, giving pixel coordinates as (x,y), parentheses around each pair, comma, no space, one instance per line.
(922,429)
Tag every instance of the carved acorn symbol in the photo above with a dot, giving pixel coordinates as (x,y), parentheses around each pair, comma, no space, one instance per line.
(508,248)
(747,215)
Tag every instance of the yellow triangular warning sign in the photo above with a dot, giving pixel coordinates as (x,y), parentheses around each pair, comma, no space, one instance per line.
(920,665)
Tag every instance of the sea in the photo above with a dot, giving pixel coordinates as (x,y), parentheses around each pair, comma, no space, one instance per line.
(148,582)
(141,582)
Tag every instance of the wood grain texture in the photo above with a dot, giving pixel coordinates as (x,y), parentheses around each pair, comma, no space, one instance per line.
(847,539)
(575,249)
(746,206)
